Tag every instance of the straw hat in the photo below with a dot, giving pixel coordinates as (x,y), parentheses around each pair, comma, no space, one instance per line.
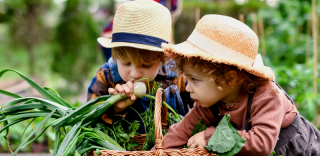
(142,24)
(223,39)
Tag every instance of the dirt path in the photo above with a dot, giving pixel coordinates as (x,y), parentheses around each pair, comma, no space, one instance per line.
(19,87)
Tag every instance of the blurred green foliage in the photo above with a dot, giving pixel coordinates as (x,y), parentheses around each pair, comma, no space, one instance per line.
(75,49)
(27,29)
(288,42)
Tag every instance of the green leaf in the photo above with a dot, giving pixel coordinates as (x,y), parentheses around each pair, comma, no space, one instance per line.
(238,145)
(273,153)
(12,123)
(56,142)
(50,104)
(124,137)
(9,94)
(79,110)
(19,108)
(222,139)
(84,150)
(72,145)
(42,91)
(76,153)
(37,136)
(97,151)
(5,123)
(34,131)
(28,115)
(27,127)
(132,145)
(51,91)
(66,141)
(134,126)
(199,127)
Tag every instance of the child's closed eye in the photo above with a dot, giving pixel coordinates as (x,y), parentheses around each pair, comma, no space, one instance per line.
(194,80)
(126,63)
(146,65)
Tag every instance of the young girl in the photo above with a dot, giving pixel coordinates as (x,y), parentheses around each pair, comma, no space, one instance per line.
(226,76)
(139,29)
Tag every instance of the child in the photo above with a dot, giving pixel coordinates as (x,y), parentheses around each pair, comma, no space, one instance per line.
(226,76)
(138,31)
(174,6)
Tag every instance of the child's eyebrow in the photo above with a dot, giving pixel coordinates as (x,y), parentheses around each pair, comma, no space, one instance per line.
(188,75)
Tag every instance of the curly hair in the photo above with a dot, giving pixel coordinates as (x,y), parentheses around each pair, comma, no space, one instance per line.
(247,82)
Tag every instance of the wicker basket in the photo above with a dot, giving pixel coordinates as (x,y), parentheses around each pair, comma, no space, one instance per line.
(160,151)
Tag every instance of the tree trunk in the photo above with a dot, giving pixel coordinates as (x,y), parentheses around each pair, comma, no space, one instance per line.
(31,14)
(31,60)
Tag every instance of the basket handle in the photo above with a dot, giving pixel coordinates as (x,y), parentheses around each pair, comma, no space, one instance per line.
(157,120)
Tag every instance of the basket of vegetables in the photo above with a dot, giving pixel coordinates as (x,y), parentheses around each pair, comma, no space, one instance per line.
(75,133)
(160,151)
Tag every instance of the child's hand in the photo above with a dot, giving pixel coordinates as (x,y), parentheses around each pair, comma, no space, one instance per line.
(197,140)
(128,89)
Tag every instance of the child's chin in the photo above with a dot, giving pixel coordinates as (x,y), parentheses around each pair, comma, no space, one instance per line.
(203,105)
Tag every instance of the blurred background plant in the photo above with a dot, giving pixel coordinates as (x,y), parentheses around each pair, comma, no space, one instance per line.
(54,43)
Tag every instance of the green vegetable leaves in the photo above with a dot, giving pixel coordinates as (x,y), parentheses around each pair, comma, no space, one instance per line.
(225,141)
(199,127)
(222,139)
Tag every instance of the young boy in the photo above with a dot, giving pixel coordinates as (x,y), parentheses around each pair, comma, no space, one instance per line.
(226,76)
(138,31)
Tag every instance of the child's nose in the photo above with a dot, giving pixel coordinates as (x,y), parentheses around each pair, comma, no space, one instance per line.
(188,88)
(135,73)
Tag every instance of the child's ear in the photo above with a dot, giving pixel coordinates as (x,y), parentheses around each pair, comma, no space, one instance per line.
(232,78)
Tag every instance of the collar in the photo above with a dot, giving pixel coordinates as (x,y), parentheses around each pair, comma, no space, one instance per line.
(114,71)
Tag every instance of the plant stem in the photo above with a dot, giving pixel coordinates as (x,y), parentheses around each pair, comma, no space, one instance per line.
(164,103)
(114,98)
(145,129)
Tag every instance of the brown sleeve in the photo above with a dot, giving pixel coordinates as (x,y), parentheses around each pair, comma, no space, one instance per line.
(179,134)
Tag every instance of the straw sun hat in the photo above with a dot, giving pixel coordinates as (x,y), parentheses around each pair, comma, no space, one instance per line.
(142,24)
(223,39)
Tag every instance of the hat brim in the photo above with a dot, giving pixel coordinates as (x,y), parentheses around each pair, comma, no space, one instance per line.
(106,42)
(189,50)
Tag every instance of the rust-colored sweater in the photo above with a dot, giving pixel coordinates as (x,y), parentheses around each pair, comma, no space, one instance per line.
(270,111)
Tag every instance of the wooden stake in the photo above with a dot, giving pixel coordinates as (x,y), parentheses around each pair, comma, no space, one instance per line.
(261,32)
(241,18)
(254,23)
(168,5)
(197,14)
(172,31)
(308,40)
(315,45)
(315,54)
